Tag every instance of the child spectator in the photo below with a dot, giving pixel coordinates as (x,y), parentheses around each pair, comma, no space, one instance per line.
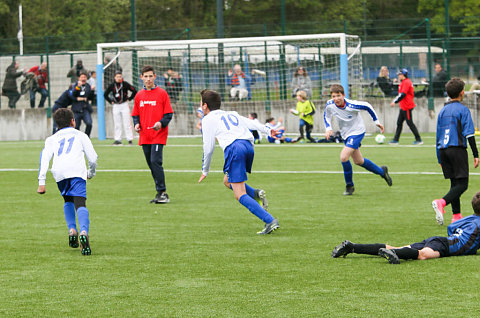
(305,109)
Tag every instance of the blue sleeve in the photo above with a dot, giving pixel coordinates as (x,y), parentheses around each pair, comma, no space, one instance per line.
(437,139)
(468,128)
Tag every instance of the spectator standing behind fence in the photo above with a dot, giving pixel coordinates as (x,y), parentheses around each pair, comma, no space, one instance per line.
(10,88)
(439,81)
(74,73)
(241,83)
(405,100)
(173,84)
(385,83)
(301,82)
(109,72)
(81,92)
(41,77)
(121,111)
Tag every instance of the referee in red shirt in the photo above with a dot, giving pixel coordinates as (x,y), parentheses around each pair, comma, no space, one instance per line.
(405,99)
(151,114)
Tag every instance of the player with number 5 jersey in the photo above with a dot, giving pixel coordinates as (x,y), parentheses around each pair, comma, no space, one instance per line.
(68,147)
(234,137)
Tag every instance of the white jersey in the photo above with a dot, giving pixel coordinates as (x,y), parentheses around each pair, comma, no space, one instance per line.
(67,146)
(226,126)
(349,119)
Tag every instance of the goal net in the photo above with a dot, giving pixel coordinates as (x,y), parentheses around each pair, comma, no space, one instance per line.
(266,68)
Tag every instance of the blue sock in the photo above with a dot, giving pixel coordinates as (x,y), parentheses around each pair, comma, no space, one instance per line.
(83,220)
(255,208)
(370,166)
(69,210)
(250,191)
(348,173)
(288,139)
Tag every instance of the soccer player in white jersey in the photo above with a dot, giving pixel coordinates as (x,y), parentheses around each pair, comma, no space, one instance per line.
(68,147)
(233,134)
(352,130)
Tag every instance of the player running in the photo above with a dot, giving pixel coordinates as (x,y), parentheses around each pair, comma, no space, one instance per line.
(68,147)
(463,239)
(352,130)
(233,134)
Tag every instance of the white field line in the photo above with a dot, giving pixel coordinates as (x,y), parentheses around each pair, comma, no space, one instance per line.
(265,172)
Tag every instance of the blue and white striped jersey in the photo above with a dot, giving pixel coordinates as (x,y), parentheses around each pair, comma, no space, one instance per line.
(349,119)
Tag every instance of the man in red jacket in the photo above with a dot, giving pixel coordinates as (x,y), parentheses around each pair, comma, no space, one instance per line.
(405,98)
(42,80)
(151,114)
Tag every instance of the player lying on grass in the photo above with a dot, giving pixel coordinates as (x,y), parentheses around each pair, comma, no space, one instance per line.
(68,147)
(463,239)
(352,130)
(233,134)
(278,126)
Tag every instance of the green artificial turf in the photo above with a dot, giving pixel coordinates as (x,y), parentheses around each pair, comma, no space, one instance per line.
(199,256)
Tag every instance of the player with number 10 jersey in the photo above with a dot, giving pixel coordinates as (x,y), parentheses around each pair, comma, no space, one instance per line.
(233,134)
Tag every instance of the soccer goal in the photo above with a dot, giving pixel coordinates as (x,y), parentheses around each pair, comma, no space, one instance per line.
(266,68)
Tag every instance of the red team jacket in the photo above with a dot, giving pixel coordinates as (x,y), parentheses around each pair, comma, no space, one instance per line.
(151,105)
(406,87)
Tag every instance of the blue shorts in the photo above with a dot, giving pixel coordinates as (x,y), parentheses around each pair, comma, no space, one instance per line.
(354,141)
(238,160)
(436,243)
(74,187)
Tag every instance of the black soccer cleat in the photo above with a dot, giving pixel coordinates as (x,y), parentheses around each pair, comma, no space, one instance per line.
(161,198)
(73,239)
(390,255)
(269,227)
(85,244)
(344,248)
(386,176)
(349,190)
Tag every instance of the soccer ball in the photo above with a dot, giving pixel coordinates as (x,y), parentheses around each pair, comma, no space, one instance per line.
(380,139)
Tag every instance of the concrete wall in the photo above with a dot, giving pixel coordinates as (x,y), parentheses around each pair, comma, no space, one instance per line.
(32,124)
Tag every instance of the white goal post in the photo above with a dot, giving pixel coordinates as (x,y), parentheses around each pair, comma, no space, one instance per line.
(333,57)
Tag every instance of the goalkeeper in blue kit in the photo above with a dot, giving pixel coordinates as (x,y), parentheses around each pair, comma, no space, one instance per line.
(233,134)
(463,239)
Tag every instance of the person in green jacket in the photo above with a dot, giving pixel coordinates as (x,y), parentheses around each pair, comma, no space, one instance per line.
(305,109)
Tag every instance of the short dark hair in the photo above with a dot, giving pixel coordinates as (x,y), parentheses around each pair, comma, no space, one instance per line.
(147,68)
(269,119)
(93,72)
(63,117)
(83,73)
(254,115)
(337,88)
(120,72)
(454,87)
(476,203)
(211,98)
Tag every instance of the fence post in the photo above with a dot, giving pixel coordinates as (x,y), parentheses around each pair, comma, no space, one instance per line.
(49,110)
(431,105)
(267,81)
(320,66)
